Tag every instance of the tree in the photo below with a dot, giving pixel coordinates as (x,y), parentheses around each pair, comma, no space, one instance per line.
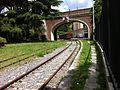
(38,8)
(98,10)
(49,4)
(23,16)
(11,14)
(64,28)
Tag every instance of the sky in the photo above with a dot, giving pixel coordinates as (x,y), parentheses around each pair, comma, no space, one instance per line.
(73,5)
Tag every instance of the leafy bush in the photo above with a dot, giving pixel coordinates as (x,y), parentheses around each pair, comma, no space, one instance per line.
(5,20)
(43,38)
(16,34)
(2,41)
(11,14)
(12,22)
(12,34)
(33,35)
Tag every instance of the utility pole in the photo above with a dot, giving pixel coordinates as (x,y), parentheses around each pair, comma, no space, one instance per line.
(93,22)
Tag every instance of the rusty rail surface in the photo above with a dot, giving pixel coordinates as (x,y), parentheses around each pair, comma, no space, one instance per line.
(49,79)
(23,75)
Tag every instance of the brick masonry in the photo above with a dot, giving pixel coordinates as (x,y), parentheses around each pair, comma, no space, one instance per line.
(81,15)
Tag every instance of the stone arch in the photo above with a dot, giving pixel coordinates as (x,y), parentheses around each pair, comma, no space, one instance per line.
(81,15)
(57,25)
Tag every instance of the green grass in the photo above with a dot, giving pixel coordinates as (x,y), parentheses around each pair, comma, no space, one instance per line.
(17,49)
(82,72)
(11,50)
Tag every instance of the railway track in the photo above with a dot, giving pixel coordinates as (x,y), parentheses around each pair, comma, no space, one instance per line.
(47,83)
(15,59)
(18,60)
(1,61)
(32,72)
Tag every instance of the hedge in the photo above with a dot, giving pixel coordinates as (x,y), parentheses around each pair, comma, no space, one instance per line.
(2,41)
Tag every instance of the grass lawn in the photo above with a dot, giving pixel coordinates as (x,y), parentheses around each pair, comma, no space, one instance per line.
(38,49)
(82,72)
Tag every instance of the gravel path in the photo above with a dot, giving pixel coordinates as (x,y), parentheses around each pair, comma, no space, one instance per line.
(11,73)
(91,82)
(62,74)
(35,79)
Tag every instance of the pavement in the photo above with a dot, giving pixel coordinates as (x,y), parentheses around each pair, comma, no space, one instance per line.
(91,81)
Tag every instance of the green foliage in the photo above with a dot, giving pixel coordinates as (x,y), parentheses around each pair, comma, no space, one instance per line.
(37,48)
(20,19)
(12,22)
(33,35)
(98,9)
(43,38)
(54,2)
(2,41)
(49,11)
(38,7)
(41,29)
(82,71)
(23,16)
(27,17)
(64,28)
(69,26)
(35,21)
(32,32)
(11,14)
(12,34)
(5,20)
(17,35)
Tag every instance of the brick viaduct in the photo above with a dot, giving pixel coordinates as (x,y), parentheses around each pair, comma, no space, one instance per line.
(80,15)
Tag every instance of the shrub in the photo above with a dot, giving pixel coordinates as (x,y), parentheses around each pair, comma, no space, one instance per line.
(43,38)
(16,34)
(11,14)
(33,35)
(2,41)
(12,34)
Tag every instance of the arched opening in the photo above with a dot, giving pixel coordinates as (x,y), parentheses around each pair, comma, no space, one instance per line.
(80,29)
(63,31)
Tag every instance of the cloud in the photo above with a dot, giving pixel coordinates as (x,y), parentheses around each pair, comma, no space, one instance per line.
(61,8)
(78,1)
(74,4)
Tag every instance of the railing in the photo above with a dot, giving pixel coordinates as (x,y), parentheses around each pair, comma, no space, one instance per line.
(111,83)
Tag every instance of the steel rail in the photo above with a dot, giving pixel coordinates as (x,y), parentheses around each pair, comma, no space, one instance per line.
(18,56)
(18,61)
(48,80)
(23,75)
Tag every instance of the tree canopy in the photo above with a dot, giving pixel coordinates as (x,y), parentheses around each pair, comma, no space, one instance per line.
(23,19)
(98,9)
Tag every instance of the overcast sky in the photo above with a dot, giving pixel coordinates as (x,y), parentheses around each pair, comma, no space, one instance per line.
(74,4)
